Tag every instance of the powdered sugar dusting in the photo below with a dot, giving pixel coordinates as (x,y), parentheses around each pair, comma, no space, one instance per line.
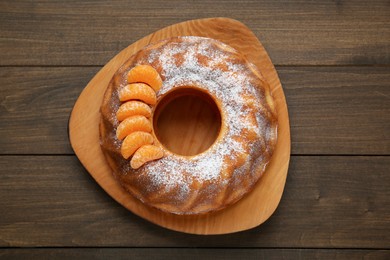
(226,85)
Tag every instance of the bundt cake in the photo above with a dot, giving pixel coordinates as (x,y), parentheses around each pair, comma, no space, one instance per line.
(188,184)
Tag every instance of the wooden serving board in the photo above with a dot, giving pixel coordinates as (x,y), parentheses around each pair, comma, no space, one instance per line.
(249,212)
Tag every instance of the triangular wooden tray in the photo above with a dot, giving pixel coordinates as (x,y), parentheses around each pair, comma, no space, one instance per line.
(249,212)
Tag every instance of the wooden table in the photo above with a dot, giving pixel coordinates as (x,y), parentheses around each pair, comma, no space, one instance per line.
(333,61)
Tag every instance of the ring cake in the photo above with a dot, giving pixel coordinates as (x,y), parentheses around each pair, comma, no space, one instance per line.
(212,179)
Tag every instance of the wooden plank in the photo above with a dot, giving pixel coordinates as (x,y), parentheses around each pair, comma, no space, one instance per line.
(333,110)
(35,106)
(190,253)
(340,110)
(328,202)
(301,32)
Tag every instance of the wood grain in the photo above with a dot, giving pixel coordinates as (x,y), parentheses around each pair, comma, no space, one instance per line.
(191,253)
(329,202)
(325,118)
(259,204)
(339,110)
(192,118)
(293,32)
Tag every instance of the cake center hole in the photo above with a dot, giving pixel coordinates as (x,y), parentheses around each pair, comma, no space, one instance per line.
(187,121)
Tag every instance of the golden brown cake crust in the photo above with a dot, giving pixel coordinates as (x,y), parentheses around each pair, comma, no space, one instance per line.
(230,168)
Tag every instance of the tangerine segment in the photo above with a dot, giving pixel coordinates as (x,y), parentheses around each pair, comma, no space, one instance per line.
(146,74)
(139,91)
(132,124)
(145,154)
(134,141)
(132,108)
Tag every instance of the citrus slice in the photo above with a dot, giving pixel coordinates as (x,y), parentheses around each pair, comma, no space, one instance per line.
(145,153)
(134,141)
(132,124)
(133,108)
(146,74)
(138,91)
